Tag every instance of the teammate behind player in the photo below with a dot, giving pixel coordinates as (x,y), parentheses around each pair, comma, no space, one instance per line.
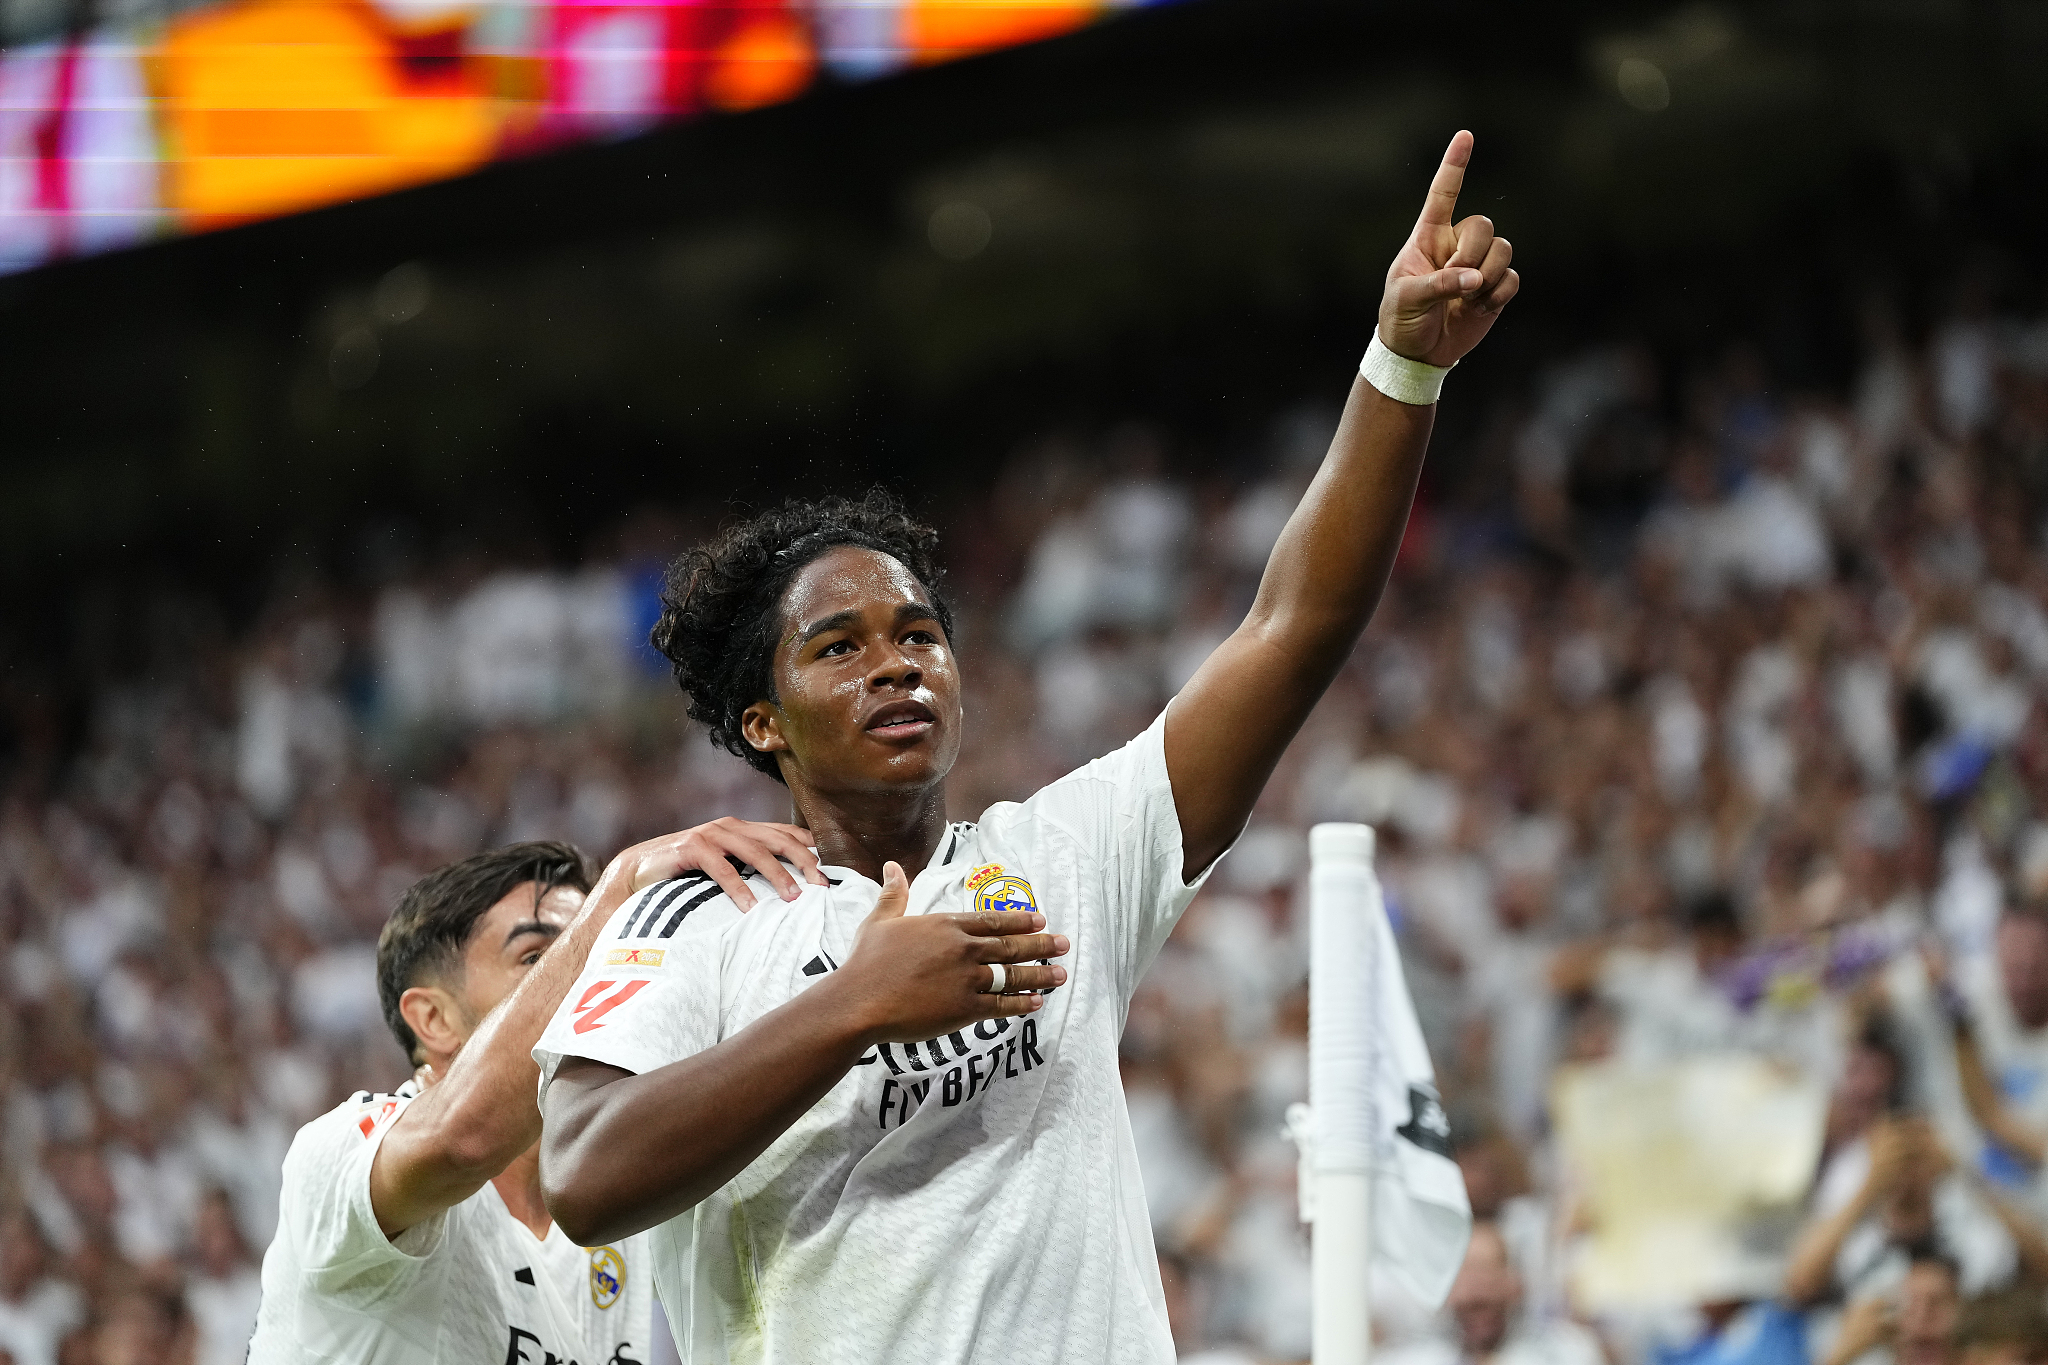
(412,1228)
(851,1155)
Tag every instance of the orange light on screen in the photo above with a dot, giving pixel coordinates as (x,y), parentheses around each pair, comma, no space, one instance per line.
(766,61)
(276,105)
(940,30)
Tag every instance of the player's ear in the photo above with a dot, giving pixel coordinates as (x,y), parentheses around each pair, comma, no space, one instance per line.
(435,1018)
(761,727)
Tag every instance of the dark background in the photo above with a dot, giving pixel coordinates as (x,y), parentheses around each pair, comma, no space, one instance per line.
(1192,209)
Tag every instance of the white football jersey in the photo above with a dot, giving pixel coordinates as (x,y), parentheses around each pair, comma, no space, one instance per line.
(968,1198)
(470,1284)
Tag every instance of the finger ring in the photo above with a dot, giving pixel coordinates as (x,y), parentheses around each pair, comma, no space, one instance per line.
(996,986)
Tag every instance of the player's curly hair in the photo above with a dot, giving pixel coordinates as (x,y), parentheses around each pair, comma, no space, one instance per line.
(721,605)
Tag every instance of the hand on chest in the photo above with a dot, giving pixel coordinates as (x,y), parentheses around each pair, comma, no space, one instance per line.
(895,1082)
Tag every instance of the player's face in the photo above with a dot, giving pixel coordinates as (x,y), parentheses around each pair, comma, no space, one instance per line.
(867,690)
(508,940)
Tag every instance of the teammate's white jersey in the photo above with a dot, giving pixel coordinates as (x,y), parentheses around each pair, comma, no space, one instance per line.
(470,1285)
(971,1198)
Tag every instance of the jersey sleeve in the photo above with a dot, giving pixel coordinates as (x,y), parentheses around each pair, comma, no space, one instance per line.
(1120,810)
(649,991)
(343,1255)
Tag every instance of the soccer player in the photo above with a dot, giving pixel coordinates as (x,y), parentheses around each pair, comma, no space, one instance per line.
(412,1228)
(864,1124)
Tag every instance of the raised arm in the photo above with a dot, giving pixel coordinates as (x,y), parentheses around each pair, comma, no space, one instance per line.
(1810,1268)
(2027,1239)
(1988,1107)
(485,1112)
(622,1152)
(1227,728)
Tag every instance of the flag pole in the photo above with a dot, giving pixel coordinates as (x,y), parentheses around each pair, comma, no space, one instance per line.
(1344,905)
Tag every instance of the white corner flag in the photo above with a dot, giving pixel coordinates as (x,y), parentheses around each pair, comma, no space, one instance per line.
(1377,1178)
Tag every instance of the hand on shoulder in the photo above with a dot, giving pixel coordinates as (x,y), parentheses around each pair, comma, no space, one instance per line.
(709,848)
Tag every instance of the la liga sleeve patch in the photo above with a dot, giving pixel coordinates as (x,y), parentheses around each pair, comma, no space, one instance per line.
(601,999)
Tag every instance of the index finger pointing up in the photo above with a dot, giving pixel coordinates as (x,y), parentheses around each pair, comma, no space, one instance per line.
(1442,200)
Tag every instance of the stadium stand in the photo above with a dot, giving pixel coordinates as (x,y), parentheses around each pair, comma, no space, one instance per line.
(1701,717)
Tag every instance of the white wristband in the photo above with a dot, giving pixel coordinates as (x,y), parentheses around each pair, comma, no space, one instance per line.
(1402,379)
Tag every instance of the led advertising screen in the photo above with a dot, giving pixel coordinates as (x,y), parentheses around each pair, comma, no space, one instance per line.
(237,111)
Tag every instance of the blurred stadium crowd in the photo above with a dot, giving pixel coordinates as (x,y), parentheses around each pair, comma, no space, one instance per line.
(1701,718)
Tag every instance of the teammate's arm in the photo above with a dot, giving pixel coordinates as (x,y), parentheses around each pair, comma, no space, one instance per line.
(1227,728)
(621,1152)
(471,1124)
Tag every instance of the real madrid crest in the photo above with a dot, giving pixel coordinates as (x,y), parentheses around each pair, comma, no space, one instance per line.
(995,889)
(607,1276)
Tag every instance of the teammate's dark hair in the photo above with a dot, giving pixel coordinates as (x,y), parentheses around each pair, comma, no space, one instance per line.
(423,939)
(721,608)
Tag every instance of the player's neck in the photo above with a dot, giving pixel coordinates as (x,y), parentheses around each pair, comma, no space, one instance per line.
(863,830)
(519,1186)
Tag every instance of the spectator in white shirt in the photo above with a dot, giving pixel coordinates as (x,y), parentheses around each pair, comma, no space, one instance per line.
(1488,1325)
(1913,1323)
(36,1309)
(1872,1085)
(224,1289)
(1914,1197)
(2002,1037)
